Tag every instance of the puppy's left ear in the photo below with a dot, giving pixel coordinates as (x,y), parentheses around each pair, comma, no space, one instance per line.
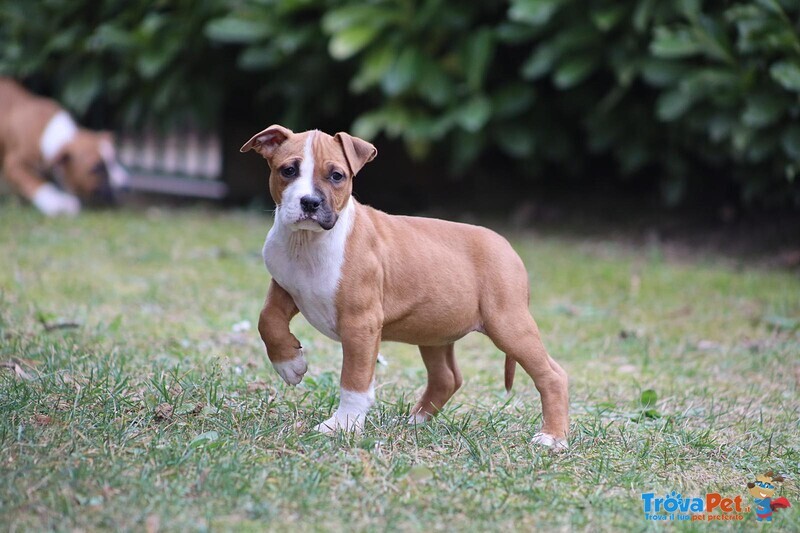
(357,151)
(266,141)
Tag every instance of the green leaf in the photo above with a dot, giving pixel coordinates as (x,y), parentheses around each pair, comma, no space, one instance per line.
(662,72)
(477,54)
(648,398)
(674,43)
(516,140)
(790,141)
(340,19)
(402,73)
(512,100)
(642,15)
(672,105)
(607,17)
(369,125)
(232,29)
(474,114)
(787,74)
(346,43)
(433,84)
(539,63)
(373,66)
(258,57)
(573,71)
(763,109)
(82,87)
(536,12)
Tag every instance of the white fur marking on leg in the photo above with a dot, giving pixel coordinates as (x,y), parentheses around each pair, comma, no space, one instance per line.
(52,201)
(351,413)
(417,418)
(554,443)
(58,133)
(293,370)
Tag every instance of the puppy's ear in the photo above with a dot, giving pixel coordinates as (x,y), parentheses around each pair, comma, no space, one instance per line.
(357,151)
(265,142)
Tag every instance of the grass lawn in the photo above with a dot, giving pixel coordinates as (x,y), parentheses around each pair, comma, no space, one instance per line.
(159,297)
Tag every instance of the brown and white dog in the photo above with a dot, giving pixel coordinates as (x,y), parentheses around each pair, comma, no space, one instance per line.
(38,136)
(361,276)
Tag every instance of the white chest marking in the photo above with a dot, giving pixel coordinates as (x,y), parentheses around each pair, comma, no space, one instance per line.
(308,264)
(59,131)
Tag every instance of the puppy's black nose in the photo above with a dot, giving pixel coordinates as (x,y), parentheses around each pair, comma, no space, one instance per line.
(310,203)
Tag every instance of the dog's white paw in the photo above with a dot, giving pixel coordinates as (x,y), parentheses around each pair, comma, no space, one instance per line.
(52,202)
(417,419)
(351,413)
(293,370)
(549,441)
(342,422)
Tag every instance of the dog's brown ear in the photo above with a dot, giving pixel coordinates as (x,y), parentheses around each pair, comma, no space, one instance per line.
(357,151)
(265,142)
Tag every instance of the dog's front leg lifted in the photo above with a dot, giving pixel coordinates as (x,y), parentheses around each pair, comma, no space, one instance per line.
(360,346)
(283,349)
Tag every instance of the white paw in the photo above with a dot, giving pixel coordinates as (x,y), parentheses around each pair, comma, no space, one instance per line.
(52,202)
(417,419)
(554,443)
(293,370)
(351,413)
(344,422)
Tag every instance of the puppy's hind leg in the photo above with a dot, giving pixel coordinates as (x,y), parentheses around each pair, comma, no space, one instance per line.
(516,334)
(444,379)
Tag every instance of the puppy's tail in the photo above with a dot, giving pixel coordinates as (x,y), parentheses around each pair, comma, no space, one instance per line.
(511,367)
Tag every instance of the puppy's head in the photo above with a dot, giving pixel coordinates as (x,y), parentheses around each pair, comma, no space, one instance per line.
(88,167)
(311,173)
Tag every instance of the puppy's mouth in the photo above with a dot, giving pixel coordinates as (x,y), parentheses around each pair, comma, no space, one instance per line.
(316,221)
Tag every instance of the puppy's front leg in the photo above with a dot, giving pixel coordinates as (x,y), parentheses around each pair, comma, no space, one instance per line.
(283,349)
(360,347)
(46,197)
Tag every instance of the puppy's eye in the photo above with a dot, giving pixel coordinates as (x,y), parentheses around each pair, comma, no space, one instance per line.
(336,176)
(288,172)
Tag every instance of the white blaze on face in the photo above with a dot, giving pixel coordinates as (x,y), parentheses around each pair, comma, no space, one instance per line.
(117,175)
(303,185)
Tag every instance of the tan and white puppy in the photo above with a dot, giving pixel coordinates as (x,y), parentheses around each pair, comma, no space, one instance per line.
(361,276)
(38,136)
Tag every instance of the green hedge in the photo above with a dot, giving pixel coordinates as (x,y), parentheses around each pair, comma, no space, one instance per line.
(696,94)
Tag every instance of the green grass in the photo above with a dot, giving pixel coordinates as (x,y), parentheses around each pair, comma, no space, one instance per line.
(156,295)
